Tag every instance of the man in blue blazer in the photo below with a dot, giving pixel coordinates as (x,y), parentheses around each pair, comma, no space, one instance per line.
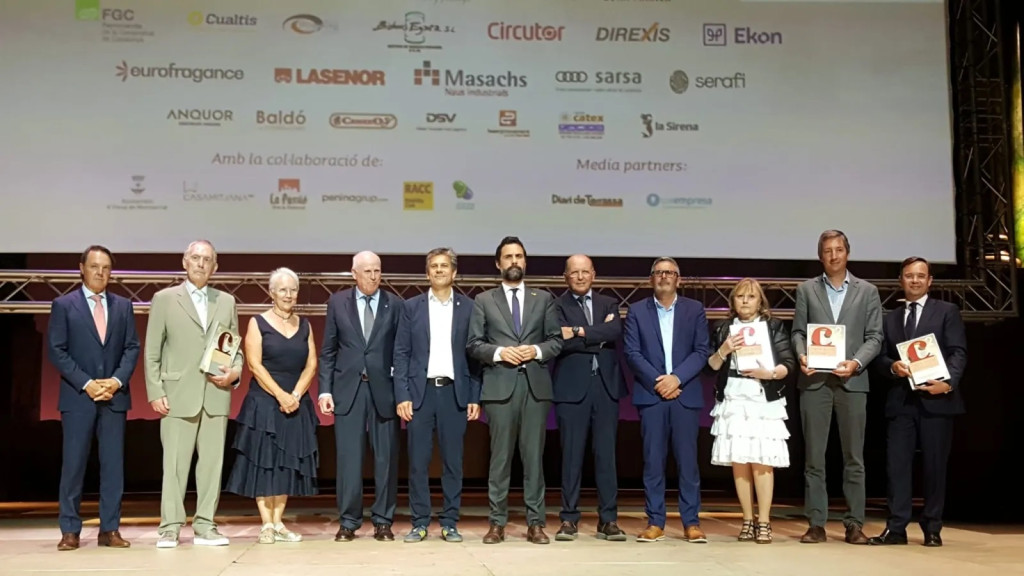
(93,344)
(436,388)
(666,346)
(925,414)
(587,387)
(356,386)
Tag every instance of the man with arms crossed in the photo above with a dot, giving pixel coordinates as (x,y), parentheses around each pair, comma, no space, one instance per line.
(435,387)
(93,344)
(836,297)
(587,387)
(357,388)
(193,406)
(666,345)
(924,415)
(513,331)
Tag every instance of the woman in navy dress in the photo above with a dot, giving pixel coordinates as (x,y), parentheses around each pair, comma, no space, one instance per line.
(275,444)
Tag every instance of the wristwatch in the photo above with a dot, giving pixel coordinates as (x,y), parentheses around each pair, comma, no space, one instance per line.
(575,330)
(296,394)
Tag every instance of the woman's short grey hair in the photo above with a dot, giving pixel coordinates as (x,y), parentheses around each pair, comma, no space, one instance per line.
(444,252)
(277,275)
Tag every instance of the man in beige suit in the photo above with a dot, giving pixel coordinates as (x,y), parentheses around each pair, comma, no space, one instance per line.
(194,406)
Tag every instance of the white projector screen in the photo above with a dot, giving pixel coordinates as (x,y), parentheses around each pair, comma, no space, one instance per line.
(697,128)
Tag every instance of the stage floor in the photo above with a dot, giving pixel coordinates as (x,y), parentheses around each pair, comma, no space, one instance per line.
(29,535)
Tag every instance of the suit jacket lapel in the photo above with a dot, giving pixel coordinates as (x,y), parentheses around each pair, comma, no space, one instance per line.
(421,316)
(353,314)
(457,322)
(852,291)
(502,303)
(652,309)
(819,289)
(185,301)
(925,316)
(212,298)
(530,310)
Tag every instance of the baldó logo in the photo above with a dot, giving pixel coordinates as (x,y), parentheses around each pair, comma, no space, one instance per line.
(538,32)
(330,76)
(653,33)
(280,118)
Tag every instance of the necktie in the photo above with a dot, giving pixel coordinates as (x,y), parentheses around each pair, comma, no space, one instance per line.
(98,317)
(367,318)
(590,322)
(517,322)
(910,327)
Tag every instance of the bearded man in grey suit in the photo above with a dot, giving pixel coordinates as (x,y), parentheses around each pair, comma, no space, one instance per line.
(836,297)
(513,332)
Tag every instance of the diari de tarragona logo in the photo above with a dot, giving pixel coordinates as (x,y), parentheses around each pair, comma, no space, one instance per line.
(418,196)
(174,72)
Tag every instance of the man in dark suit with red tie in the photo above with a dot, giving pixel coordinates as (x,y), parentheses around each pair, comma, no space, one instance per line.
(588,384)
(436,388)
(93,344)
(922,415)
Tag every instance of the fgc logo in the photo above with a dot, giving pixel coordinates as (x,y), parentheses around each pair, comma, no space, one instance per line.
(91,10)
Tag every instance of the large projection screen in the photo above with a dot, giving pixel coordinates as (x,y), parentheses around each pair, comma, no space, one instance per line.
(697,128)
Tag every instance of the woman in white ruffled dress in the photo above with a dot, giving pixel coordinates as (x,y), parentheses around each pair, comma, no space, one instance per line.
(750,413)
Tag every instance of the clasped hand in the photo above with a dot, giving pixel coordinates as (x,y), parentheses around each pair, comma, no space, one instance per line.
(102,389)
(516,355)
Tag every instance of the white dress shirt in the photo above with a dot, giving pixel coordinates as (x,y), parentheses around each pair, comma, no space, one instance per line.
(522,310)
(440,362)
(920,307)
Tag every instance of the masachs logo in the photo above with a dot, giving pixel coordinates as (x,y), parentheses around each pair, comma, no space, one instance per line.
(600,81)
(653,33)
(289,195)
(461,83)
(211,19)
(579,125)
(718,35)
(329,76)
(650,126)
(363,121)
(679,82)
(200,116)
(525,32)
(415,30)
(173,72)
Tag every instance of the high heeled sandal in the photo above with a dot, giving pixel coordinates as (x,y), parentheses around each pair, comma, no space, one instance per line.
(747,532)
(764,533)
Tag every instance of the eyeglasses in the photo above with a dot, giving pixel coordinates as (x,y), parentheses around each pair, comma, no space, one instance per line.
(665,273)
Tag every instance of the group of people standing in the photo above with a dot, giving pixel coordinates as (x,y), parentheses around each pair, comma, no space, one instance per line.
(441,359)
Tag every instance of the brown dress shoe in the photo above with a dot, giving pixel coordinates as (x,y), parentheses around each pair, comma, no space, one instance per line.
(814,535)
(651,534)
(344,535)
(854,535)
(67,542)
(495,534)
(112,539)
(535,535)
(694,535)
(383,533)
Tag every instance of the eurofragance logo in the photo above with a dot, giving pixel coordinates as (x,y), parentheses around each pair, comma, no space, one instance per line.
(173,72)
(655,200)
(464,194)
(718,35)
(679,82)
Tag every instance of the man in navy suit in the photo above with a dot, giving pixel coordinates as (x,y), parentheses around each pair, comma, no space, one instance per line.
(923,414)
(435,388)
(356,386)
(587,387)
(93,344)
(666,345)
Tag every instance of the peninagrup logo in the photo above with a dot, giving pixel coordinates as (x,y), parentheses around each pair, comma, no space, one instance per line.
(329,76)
(173,72)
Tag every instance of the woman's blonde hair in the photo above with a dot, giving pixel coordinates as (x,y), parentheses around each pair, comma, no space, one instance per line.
(754,286)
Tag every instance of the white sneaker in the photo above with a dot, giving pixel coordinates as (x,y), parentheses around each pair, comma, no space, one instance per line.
(211,538)
(167,540)
(282,534)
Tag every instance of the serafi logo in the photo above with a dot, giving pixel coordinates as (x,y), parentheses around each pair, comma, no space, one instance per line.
(679,82)
(288,196)
(650,126)
(329,76)
(653,33)
(363,121)
(418,196)
(525,32)
(600,81)
(173,72)
(200,116)
(462,83)
(281,119)
(508,122)
(303,24)
(415,29)
(718,35)
(220,20)
(579,125)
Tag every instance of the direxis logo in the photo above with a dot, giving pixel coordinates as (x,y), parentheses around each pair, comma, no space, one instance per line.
(174,72)
(329,76)
(653,33)
(528,32)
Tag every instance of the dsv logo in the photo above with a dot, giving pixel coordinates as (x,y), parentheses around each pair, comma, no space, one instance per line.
(571,76)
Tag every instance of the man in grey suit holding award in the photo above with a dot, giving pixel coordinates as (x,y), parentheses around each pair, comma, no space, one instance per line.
(513,332)
(193,406)
(836,297)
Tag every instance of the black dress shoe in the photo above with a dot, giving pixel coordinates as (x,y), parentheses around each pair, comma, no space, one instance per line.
(887,538)
(610,531)
(932,539)
(344,535)
(814,535)
(568,531)
(383,533)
